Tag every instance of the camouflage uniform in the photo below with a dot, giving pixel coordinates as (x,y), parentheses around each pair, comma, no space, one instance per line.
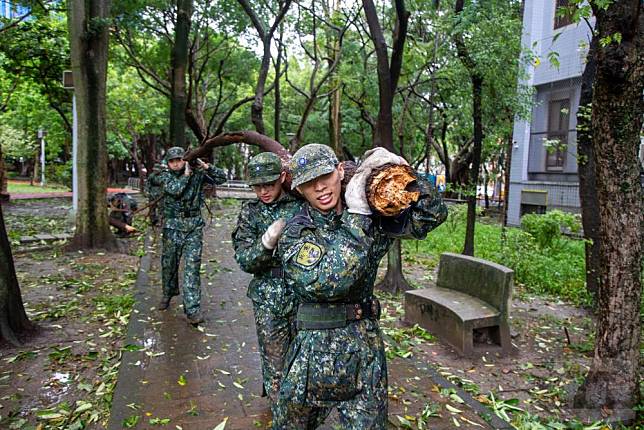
(154,192)
(183,229)
(123,207)
(337,359)
(272,304)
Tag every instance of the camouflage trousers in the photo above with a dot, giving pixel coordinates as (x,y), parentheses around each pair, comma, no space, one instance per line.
(342,368)
(274,335)
(177,243)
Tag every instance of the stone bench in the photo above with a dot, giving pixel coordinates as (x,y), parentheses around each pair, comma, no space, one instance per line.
(469,306)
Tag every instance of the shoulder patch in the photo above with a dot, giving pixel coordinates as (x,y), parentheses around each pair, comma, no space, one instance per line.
(309,254)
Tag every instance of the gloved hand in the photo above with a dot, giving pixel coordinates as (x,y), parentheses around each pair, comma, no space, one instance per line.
(203,164)
(187,169)
(273,233)
(355,195)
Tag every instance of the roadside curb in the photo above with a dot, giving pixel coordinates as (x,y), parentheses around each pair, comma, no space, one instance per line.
(121,397)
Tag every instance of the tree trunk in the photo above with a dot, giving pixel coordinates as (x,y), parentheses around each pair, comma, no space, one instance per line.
(88,29)
(394,281)
(477,84)
(13,319)
(278,94)
(179,98)
(586,167)
(506,179)
(613,379)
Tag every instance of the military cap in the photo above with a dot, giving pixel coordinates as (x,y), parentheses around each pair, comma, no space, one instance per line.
(312,161)
(175,152)
(264,168)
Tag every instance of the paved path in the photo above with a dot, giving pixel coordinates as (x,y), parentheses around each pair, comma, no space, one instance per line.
(57,194)
(197,378)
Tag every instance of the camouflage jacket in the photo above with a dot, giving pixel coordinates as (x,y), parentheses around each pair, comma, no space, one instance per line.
(154,185)
(254,218)
(183,196)
(334,258)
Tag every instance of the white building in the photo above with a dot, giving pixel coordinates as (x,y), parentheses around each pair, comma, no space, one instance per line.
(9,9)
(542,179)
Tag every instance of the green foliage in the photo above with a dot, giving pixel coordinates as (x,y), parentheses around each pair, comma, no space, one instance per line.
(557,271)
(546,229)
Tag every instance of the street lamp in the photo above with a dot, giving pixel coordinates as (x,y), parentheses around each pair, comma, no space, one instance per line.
(41,135)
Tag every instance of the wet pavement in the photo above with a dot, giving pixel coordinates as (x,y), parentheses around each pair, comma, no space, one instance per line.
(182,377)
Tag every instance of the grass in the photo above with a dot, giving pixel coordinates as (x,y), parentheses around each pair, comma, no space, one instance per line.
(17,187)
(557,270)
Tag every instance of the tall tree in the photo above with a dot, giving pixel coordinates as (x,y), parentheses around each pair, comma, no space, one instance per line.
(179,60)
(616,124)
(476,79)
(265,34)
(88,22)
(388,75)
(13,319)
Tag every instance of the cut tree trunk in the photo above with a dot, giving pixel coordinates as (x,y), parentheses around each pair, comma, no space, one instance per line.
(89,29)
(13,319)
(613,382)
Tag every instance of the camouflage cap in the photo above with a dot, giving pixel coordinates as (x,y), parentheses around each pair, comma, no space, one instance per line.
(174,153)
(264,168)
(312,161)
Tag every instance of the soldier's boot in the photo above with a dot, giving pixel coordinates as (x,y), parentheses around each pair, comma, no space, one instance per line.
(164,303)
(195,318)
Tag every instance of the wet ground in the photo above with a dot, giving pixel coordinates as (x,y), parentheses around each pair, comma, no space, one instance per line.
(196,378)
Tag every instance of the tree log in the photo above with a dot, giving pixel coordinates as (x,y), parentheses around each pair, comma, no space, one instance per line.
(391,189)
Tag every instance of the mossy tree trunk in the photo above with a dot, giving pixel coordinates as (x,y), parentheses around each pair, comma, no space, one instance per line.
(89,29)
(616,121)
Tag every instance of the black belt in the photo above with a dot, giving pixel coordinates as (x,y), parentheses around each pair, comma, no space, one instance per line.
(276,272)
(321,316)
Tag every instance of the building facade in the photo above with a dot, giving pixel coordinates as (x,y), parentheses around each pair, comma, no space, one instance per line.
(543,174)
(9,9)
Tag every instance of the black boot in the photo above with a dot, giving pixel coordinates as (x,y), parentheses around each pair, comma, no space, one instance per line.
(164,303)
(195,318)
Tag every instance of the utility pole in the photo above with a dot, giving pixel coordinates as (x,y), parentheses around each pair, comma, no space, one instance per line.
(41,135)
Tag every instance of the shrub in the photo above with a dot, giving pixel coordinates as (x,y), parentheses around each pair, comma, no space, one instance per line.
(546,229)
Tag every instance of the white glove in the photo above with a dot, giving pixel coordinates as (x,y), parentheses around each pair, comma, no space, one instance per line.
(273,233)
(355,195)
(187,170)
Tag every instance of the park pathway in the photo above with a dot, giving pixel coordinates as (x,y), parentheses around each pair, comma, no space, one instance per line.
(173,375)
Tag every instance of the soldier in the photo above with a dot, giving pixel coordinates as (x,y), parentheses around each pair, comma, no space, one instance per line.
(259,226)
(330,253)
(154,192)
(183,229)
(122,208)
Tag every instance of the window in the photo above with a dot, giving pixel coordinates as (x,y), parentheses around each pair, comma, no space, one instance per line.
(561,19)
(556,143)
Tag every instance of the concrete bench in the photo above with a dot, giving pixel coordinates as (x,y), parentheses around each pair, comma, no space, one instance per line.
(469,306)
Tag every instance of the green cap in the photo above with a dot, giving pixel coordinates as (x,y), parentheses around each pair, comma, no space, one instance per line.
(312,161)
(174,153)
(264,168)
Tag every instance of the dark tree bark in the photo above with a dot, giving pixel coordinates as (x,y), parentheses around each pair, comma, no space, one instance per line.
(277,125)
(249,137)
(265,35)
(477,88)
(616,123)
(13,319)
(388,75)
(178,97)
(88,29)
(587,183)
(506,179)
